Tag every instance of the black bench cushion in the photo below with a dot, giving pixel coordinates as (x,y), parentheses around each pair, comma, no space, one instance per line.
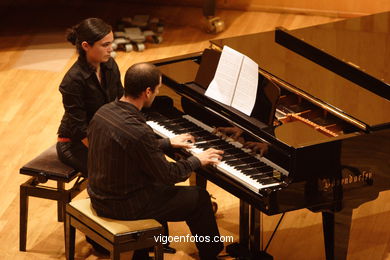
(48,165)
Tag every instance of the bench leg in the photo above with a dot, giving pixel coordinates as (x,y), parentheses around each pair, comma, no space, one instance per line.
(158,252)
(115,254)
(61,202)
(23,217)
(70,238)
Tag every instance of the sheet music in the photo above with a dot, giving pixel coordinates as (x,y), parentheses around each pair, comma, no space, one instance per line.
(244,97)
(235,81)
(224,83)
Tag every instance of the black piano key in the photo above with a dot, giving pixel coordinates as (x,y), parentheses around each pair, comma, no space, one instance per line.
(230,145)
(195,127)
(199,141)
(261,176)
(186,124)
(179,122)
(235,151)
(223,146)
(176,120)
(241,155)
(171,127)
(183,130)
(219,143)
(204,139)
(204,146)
(212,143)
(235,162)
(242,167)
(228,157)
(250,159)
(166,121)
(250,171)
(205,135)
(258,165)
(265,168)
(268,181)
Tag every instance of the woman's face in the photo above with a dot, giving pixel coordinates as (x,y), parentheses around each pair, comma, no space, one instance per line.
(100,51)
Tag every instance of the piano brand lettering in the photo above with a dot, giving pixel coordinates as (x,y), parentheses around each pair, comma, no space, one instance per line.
(328,183)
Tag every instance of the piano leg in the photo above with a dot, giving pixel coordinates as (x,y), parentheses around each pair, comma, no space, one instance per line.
(244,224)
(209,8)
(336,228)
(254,231)
(214,23)
(249,244)
(240,250)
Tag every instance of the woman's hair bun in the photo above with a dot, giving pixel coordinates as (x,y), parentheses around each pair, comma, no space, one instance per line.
(71,35)
(89,30)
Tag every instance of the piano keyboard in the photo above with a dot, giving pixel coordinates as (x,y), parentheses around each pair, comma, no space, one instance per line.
(255,172)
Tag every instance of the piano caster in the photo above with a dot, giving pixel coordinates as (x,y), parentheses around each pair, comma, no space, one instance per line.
(240,252)
(214,24)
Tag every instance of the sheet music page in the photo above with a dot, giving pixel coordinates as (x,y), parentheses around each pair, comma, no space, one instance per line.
(244,97)
(222,87)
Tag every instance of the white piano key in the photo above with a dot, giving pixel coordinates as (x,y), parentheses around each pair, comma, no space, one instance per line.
(160,130)
(244,179)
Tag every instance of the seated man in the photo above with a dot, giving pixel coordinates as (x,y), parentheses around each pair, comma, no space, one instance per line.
(129,176)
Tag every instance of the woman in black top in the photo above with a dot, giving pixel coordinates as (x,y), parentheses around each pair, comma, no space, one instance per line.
(92,81)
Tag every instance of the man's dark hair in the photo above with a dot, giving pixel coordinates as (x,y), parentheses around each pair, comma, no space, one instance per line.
(89,30)
(139,77)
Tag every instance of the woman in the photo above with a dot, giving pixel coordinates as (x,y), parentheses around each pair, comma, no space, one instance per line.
(92,81)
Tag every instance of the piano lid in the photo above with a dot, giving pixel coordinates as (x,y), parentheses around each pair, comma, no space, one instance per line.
(362,41)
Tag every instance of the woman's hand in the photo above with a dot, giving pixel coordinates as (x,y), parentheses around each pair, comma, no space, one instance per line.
(182,141)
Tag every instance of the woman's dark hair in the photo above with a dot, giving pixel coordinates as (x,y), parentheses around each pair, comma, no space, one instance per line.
(89,30)
(139,77)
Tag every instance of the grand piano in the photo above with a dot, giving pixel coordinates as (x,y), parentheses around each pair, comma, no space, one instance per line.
(327,145)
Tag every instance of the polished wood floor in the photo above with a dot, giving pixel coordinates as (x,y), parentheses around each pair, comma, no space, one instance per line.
(31,109)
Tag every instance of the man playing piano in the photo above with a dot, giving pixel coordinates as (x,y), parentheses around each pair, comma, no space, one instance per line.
(129,176)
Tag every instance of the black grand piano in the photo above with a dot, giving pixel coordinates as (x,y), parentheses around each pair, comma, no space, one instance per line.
(321,122)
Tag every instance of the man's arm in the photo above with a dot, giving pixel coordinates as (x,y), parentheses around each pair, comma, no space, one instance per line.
(154,162)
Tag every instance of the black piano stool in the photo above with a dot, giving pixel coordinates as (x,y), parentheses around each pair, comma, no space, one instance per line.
(42,168)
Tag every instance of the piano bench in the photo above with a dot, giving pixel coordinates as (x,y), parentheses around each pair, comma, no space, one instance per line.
(44,167)
(116,236)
